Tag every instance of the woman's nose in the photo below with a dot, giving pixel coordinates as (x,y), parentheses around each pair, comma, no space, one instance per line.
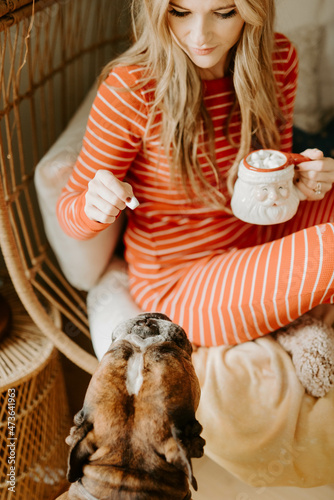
(200,33)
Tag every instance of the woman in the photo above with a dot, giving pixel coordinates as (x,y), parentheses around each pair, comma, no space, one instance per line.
(204,83)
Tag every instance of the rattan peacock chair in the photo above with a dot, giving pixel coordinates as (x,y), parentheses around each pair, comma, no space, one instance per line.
(50,53)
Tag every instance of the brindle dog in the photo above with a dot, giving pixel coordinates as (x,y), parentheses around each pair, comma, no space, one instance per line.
(137,433)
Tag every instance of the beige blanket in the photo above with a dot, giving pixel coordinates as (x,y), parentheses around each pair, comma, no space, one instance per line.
(258,422)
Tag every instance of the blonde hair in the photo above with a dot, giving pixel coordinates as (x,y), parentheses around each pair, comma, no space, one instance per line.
(178,92)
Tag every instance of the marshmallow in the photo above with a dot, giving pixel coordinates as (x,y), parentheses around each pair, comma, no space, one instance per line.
(255,157)
(133,203)
(266,159)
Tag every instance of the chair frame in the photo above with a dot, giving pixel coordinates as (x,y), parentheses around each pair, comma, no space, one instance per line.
(50,53)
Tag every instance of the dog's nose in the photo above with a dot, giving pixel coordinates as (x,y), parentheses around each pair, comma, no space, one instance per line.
(145,328)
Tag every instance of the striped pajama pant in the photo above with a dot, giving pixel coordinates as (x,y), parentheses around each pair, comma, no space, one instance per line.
(242,294)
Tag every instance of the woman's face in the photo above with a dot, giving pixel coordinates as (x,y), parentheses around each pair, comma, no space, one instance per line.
(206,30)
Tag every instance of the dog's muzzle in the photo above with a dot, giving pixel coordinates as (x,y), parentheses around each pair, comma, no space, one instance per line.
(151,328)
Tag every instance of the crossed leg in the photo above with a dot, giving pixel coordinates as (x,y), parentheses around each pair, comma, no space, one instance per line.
(243,294)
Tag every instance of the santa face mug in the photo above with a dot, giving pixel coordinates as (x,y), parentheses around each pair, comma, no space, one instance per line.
(264,192)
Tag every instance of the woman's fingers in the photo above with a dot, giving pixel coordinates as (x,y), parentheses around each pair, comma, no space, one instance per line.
(95,214)
(315,178)
(315,191)
(313,182)
(106,196)
(313,154)
(122,190)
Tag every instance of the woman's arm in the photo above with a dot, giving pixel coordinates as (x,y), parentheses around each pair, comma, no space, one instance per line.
(286,70)
(94,195)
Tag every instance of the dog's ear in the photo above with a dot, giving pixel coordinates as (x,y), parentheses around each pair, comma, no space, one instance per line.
(81,447)
(185,444)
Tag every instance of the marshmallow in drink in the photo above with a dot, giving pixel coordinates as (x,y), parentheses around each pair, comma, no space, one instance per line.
(265,159)
(133,203)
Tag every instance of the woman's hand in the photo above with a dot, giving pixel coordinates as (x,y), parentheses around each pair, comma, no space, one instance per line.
(315,178)
(107,196)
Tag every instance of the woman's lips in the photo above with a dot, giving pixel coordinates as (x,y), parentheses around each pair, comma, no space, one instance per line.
(202,52)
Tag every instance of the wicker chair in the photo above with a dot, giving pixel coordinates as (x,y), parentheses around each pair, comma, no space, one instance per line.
(50,53)
(32,386)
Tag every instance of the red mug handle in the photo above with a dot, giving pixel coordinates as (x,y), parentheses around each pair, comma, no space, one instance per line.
(295,158)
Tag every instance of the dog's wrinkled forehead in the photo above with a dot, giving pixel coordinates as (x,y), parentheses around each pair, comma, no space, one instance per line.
(150,328)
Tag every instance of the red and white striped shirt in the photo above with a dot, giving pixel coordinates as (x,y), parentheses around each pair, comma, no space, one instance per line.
(166,232)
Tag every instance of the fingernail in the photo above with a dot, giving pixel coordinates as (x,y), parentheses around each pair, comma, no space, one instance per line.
(132,202)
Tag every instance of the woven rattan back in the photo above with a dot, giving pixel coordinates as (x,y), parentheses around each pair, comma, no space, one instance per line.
(50,53)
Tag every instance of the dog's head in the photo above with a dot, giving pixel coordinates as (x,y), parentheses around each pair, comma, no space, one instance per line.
(139,409)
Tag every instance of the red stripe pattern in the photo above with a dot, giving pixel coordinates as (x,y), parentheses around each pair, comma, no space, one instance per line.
(223,280)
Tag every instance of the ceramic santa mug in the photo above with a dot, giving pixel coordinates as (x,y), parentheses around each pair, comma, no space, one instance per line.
(264,192)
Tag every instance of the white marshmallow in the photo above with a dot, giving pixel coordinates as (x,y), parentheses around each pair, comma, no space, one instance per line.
(254,156)
(133,203)
(265,159)
(272,164)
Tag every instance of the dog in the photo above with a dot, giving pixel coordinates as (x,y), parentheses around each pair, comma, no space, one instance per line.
(137,433)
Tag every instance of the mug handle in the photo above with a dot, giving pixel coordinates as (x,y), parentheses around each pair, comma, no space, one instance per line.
(295,158)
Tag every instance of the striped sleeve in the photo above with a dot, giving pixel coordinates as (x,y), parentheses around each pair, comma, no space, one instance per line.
(113,137)
(286,70)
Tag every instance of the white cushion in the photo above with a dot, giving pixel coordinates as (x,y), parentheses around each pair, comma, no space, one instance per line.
(82,262)
(109,303)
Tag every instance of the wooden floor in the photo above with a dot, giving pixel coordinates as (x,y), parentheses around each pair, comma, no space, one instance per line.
(214,483)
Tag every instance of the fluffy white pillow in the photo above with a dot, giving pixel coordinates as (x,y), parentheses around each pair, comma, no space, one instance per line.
(109,303)
(82,262)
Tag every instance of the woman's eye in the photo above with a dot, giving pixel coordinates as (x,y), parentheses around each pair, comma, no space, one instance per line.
(178,13)
(227,15)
